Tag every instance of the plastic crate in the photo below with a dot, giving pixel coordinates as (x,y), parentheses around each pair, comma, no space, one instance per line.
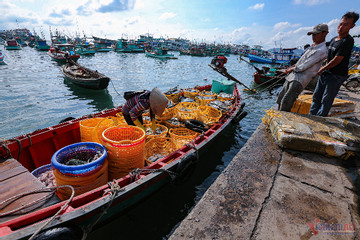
(222,85)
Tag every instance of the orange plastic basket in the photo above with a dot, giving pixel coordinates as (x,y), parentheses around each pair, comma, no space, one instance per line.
(203,102)
(150,135)
(191,93)
(102,125)
(81,184)
(207,94)
(87,127)
(158,148)
(126,149)
(167,114)
(181,136)
(186,110)
(120,117)
(209,115)
(174,97)
(170,125)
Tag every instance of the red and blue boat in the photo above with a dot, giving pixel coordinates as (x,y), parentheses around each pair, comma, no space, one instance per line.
(23,154)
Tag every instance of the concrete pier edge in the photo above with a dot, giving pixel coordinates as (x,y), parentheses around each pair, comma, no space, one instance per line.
(271,193)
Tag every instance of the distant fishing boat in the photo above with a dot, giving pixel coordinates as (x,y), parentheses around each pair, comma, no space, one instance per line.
(85,77)
(194,51)
(85,49)
(284,56)
(41,45)
(12,45)
(60,52)
(102,46)
(1,57)
(126,46)
(160,53)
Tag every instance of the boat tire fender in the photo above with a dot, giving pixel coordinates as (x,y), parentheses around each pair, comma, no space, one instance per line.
(61,233)
(240,117)
(185,168)
(66,119)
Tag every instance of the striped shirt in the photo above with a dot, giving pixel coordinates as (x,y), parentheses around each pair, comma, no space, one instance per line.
(136,105)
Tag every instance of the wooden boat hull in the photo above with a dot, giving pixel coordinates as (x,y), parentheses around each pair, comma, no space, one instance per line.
(99,83)
(86,208)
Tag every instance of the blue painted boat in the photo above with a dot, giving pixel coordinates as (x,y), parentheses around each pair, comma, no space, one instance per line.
(85,49)
(41,45)
(284,56)
(126,46)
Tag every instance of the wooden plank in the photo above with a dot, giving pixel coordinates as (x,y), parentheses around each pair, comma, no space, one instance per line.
(17,180)
(9,168)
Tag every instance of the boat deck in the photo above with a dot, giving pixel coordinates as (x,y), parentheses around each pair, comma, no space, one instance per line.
(15,179)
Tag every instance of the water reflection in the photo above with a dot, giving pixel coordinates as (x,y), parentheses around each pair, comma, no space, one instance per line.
(99,99)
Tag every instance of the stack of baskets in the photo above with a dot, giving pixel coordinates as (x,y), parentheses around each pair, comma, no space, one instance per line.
(157,148)
(181,136)
(83,177)
(126,146)
(92,128)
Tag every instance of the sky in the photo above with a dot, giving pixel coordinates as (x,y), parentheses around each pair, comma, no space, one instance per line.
(270,23)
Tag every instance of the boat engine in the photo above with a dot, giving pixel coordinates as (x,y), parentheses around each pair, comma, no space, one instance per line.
(219,61)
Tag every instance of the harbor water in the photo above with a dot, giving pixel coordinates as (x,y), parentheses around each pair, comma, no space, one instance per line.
(35,95)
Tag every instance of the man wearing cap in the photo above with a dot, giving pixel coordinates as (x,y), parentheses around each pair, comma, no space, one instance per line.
(335,72)
(304,70)
(132,110)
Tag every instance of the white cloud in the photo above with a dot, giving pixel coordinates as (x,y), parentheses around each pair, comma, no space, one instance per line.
(311,2)
(284,25)
(258,6)
(167,15)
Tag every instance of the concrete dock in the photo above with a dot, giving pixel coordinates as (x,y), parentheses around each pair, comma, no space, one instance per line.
(271,193)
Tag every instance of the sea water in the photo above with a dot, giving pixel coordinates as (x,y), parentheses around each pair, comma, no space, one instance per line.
(35,95)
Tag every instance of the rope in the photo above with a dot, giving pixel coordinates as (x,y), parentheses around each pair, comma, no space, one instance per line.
(114,87)
(273,84)
(114,190)
(58,212)
(193,145)
(4,143)
(134,174)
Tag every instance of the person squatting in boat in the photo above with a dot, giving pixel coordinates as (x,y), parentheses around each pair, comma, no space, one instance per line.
(304,70)
(138,102)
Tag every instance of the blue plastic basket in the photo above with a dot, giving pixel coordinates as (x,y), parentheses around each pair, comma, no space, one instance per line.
(82,150)
(37,172)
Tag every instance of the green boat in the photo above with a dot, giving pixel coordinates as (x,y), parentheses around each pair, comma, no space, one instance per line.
(85,49)
(12,45)
(41,45)
(160,53)
(126,46)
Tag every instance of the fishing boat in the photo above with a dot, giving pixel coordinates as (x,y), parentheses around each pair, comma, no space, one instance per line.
(269,75)
(126,46)
(12,45)
(85,77)
(194,51)
(159,53)
(85,49)
(284,56)
(1,57)
(41,45)
(23,154)
(61,52)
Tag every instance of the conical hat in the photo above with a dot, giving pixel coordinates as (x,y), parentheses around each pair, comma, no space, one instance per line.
(158,101)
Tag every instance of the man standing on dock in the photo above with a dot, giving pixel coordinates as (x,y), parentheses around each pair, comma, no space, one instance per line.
(335,72)
(304,70)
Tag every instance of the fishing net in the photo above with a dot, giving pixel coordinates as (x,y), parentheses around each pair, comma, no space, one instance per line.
(126,148)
